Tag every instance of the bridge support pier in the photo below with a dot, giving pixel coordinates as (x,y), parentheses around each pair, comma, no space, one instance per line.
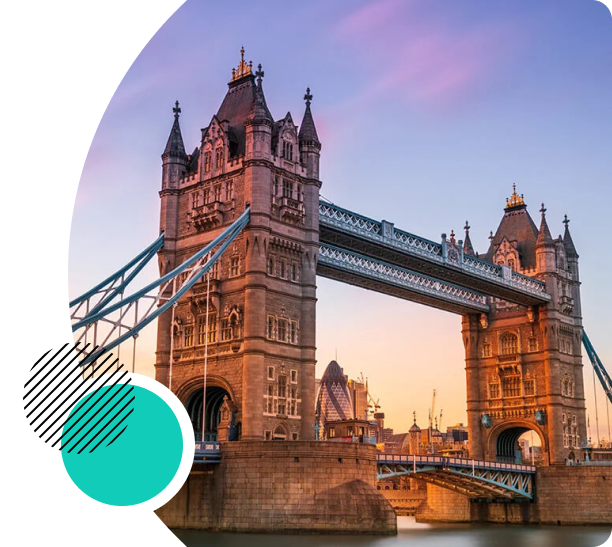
(284,487)
(570,495)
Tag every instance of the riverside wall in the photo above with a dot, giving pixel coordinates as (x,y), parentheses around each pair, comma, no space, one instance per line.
(563,495)
(284,487)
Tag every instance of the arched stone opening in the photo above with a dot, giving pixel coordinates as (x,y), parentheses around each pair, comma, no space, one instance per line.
(504,443)
(280,433)
(219,416)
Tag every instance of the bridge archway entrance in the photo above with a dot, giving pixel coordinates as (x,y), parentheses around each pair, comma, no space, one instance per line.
(504,445)
(218,417)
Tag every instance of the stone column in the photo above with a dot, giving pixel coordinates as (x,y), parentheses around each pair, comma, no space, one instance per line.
(470,334)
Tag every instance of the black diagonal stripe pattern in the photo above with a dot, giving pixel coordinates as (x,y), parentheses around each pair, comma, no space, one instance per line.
(109,433)
(93,427)
(101,430)
(91,408)
(88,409)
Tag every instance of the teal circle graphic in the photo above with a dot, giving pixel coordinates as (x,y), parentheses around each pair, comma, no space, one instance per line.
(122,462)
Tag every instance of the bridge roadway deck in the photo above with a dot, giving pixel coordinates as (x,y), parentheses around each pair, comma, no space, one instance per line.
(475,479)
(350,231)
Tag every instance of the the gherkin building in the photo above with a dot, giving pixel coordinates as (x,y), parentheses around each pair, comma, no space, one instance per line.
(334,399)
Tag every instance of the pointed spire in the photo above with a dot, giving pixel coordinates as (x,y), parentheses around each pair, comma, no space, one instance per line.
(175,146)
(544,237)
(260,110)
(570,249)
(308,131)
(414,417)
(468,249)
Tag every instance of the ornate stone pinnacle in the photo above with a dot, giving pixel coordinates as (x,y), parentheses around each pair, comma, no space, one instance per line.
(308,96)
(176,109)
(259,73)
(466,227)
(514,200)
(244,69)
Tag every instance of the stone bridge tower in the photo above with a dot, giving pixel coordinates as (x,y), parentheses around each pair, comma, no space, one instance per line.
(261,311)
(524,365)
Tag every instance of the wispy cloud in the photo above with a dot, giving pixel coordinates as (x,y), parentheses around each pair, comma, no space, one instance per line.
(418,57)
(372,17)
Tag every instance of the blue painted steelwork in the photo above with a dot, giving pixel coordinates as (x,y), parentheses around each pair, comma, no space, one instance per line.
(100,313)
(602,373)
(474,478)
(207,452)
(337,220)
(465,300)
(107,286)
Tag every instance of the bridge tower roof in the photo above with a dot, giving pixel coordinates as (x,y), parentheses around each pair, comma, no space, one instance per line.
(516,226)
(244,100)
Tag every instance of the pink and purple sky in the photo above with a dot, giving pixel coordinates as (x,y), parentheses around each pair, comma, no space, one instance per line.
(428,112)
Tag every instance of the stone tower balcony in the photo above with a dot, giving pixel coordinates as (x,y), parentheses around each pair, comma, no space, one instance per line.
(566,304)
(289,209)
(207,216)
(510,364)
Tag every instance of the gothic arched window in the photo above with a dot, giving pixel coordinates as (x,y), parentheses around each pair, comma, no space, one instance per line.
(218,158)
(508,343)
(207,162)
(287,150)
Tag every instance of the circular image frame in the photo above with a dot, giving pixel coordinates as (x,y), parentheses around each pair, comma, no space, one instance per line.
(146,507)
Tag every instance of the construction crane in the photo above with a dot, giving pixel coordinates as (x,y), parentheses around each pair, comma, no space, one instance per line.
(432,410)
(440,420)
(372,402)
(431,421)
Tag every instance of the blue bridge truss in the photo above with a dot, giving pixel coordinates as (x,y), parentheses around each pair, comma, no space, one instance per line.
(106,304)
(363,239)
(472,478)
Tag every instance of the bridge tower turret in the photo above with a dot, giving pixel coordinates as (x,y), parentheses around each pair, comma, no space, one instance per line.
(524,364)
(259,347)
(174,165)
(310,146)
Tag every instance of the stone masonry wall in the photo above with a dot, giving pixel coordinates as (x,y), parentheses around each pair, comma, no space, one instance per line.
(564,495)
(443,505)
(302,486)
(574,495)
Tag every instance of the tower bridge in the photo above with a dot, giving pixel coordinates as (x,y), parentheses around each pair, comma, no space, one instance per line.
(244,235)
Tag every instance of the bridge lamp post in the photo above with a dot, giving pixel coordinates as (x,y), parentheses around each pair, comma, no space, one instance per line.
(205,353)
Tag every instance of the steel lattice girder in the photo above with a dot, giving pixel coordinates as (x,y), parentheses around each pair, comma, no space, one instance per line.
(472,482)
(381,240)
(379,276)
(160,294)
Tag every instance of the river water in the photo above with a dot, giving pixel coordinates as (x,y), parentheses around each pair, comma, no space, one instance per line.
(413,534)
